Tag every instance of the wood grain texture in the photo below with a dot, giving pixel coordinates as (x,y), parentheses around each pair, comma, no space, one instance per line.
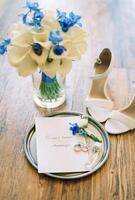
(110,23)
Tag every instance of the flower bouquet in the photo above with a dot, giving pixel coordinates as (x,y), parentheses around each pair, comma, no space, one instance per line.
(45,43)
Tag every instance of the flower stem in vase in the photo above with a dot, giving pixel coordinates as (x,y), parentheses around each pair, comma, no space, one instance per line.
(49,87)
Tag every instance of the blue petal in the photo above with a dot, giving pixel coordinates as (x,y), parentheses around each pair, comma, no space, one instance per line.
(7,41)
(37,15)
(61,14)
(67,20)
(2,50)
(59,50)
(32,6)
(37,18)
(3,45)
(74,128)
(55,37)
(79,24)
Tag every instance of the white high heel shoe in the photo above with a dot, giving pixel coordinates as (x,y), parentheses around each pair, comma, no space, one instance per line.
(121,121)
(98,102)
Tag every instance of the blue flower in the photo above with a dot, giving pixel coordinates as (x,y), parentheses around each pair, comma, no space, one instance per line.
(7,41)
(66,20)
(26,20)
(3,45)
(32,6)
(74,128)
(37,15)
(55,37)
(37,18)
(59,50)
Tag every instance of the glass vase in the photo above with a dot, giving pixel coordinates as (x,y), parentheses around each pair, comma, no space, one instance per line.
(48,92)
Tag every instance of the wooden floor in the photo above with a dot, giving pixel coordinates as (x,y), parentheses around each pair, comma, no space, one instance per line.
(110,23)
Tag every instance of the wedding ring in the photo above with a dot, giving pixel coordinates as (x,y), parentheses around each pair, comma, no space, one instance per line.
(77,147)
(84,148)
(80,147)
(95,149)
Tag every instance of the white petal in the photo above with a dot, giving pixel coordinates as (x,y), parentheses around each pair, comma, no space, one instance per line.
(50,68)
(65,67)
(73,53)
(40,60)
(27,66)
(77,41)
(76,31)
(23,40)
(49,22)
(16,29)
(82,47)
(15,54)
(42,39)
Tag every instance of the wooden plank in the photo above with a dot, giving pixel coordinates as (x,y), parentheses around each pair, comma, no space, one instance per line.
(110,24)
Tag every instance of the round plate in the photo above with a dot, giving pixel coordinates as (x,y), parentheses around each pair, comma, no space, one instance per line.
(30,147)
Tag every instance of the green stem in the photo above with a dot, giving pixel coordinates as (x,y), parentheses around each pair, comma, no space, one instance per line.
(49,87)
(83,132)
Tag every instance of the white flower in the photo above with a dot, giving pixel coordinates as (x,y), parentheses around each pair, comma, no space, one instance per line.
(74,42)
(26,61)
(21,53)
(16,29)
(31,49)
(50,23)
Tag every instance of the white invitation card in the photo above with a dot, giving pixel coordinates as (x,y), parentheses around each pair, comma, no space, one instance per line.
(55,146)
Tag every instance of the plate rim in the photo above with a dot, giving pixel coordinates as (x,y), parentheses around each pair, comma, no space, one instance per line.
(80,174)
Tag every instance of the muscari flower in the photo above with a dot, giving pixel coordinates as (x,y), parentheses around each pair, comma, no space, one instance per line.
(76,129)
(3,45)
(79,128)
(68,20)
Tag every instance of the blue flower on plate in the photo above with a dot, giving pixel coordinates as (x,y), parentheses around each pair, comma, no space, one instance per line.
(3,45)
(66,20)
(55,37)
(74,128)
